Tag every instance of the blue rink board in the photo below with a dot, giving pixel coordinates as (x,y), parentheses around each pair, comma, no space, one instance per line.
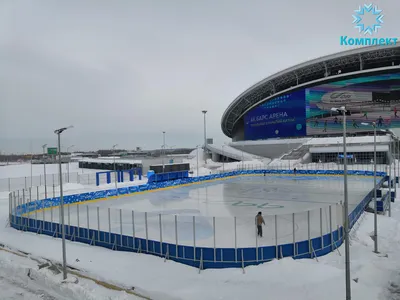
(203,257)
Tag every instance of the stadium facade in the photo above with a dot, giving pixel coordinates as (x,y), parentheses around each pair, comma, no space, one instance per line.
(298,101)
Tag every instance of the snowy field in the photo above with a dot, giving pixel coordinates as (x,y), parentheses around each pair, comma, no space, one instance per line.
(18,176)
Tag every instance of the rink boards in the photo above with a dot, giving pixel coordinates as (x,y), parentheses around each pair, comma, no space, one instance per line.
(218,209)
(208,221)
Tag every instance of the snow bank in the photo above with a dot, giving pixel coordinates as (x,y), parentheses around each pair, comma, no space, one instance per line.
(20,278)
(283,279)
(22,170)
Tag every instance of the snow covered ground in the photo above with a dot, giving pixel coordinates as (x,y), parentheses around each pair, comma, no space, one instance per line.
(376,276)
(24,169)
(20,278)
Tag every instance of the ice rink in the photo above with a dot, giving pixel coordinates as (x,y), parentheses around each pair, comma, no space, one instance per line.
(223,211)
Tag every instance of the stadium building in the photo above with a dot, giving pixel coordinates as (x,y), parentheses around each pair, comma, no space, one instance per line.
(284,111)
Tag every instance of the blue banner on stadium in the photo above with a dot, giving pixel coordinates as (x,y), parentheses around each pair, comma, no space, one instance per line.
(284,116)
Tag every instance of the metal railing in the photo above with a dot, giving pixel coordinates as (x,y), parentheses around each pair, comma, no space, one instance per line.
(52,180)
(15,183)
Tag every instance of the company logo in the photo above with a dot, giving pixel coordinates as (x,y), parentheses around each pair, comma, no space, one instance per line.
(367,27)
(360,16)
(340,96)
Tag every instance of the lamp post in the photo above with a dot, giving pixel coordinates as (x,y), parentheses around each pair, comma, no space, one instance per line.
(68,161)
(163,151)
(390,169)
(115,169)
(197,156)
(390,184)
(390,176)
(205,137)
(44,170)
(64,253)
(346,207)
(375,202)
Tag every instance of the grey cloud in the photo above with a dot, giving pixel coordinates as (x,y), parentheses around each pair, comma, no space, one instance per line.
(124,71)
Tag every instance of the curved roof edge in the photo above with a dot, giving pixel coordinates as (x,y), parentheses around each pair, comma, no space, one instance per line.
(305,64)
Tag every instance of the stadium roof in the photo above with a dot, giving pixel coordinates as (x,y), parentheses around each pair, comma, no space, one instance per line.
(334,66)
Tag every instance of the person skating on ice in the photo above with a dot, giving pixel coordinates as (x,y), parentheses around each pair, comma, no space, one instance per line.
(380,121)
(259,222)
(336,120)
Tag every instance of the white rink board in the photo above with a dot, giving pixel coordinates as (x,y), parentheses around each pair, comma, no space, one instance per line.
(231,201)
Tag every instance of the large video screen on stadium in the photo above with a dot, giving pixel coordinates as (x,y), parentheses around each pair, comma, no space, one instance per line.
(283,116)
(309,111)
(367,99)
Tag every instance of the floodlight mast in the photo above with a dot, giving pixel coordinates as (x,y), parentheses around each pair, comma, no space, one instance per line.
(373,124)
(64,253)
(343,111)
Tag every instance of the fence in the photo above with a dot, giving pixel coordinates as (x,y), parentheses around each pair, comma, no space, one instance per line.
(11,184)
(203,242)
(52,180)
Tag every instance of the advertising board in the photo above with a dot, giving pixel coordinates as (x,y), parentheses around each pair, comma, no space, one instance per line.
(309,111)
(282,116)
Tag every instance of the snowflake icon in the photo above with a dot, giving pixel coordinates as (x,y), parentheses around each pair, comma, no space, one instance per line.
(361,12)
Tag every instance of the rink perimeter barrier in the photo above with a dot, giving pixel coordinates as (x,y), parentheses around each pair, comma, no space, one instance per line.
(21,210)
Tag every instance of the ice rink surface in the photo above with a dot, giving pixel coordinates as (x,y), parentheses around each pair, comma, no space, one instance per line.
(244,196)
(224,210)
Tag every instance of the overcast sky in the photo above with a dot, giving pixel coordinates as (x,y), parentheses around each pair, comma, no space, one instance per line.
(122,72)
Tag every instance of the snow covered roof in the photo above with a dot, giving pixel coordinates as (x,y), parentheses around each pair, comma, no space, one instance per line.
(271,142)
(231,152)
(111,161)
(349,140)
(355,148)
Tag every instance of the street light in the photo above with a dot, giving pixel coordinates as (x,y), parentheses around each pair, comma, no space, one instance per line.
(68,161)
(44,167)
(197,157)
(58,132)
(375,202)
(390,174)
(346,206)
(115,170)
(390,169)
(205,137)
